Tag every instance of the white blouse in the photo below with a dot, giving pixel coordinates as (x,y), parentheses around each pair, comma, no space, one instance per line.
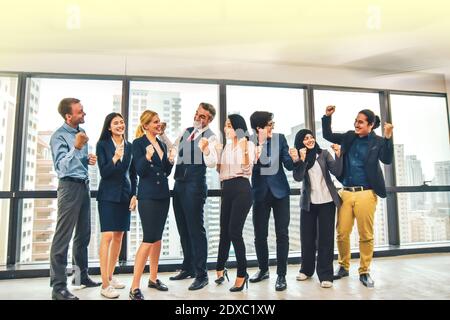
(319,190)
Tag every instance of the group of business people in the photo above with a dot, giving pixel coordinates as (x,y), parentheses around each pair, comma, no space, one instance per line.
(251,171)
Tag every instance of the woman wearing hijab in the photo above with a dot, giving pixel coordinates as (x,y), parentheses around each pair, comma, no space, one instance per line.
(318,203)
(235,169)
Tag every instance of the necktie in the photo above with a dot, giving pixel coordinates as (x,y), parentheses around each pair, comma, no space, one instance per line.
(191,137)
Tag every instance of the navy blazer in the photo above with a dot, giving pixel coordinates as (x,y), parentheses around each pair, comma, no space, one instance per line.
(379,149)
(153,182)
(268,173)
(116,179)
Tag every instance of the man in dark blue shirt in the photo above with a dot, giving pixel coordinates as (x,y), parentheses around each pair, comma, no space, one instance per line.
(363,180)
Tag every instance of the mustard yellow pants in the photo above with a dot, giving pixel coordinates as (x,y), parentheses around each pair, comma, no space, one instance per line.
(360,205)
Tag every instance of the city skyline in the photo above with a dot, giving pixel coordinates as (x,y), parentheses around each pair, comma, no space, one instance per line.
(423,216)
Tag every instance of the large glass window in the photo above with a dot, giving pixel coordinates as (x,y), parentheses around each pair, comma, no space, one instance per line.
(175,104)
(8,92)
(287,106)
(422,156)
(98,98)
(4,218)
(424,216)
(39,218)
(422,152)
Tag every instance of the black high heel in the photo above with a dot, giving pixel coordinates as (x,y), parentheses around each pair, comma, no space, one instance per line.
(222,278)
(236,289)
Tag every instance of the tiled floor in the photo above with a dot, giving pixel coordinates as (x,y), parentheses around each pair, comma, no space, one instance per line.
(423,276)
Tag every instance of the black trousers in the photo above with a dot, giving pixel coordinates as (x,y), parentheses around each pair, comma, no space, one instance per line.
(281,215)
(320,218)
(235,205)
(188,201)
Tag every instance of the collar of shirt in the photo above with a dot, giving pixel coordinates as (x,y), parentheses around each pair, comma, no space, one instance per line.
(199,131)
(70,129)
(116,145)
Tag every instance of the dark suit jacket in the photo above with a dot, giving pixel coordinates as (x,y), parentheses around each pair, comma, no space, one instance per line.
(116,179)
(379,149)
(268,173)
(153,182)
(327,164)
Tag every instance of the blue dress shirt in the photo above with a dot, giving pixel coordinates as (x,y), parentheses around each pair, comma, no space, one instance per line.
(355,174)
(69,161)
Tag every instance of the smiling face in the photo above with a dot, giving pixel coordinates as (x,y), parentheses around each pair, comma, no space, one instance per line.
(154,126)
(229,131)
(267,131)
(362,126)
(76,117)
(202,118)
(309,141)
(117,126)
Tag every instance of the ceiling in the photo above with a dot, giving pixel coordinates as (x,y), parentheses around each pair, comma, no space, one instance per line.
(386,36)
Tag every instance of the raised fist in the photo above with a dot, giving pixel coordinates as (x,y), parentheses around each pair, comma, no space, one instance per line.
(330,110)
(80,140)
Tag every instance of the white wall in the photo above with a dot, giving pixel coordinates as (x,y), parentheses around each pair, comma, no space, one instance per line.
(212,69)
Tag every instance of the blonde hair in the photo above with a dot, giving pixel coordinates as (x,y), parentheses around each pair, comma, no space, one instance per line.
(145,118)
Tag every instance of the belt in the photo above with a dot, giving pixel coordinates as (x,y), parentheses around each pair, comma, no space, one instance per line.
(76,180)
(355,189)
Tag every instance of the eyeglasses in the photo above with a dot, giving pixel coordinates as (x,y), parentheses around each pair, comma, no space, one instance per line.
(271,124)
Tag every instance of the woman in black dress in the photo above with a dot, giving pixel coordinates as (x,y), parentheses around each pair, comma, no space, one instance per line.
(116,197)
(153,166)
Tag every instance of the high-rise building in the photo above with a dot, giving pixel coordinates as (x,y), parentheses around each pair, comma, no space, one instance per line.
(29,176)
(7,106)
(168,106)
(45,210)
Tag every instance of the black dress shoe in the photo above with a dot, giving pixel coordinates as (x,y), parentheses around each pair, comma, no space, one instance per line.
(221,279)
(340,273)
(136,294)
(245,283)
(158,285)
(198,283)
(86,283)
(259,276)
(281,284)
(63,294)
(182,275)
(366,280)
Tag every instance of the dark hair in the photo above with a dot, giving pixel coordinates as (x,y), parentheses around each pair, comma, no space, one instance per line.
(239,125)
(209,107)
(106,133)
(65,106)
(310,154)
(371,118)
(260,119)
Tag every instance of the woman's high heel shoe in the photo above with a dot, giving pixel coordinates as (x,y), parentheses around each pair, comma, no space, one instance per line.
(245,283)
(222,278)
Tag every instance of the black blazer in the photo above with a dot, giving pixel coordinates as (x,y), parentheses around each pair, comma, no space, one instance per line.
(153,182)
(116,179)
(327,164)
(272,160)
(379,149)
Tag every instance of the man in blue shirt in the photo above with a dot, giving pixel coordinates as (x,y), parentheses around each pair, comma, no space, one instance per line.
(363,180)
(71,159)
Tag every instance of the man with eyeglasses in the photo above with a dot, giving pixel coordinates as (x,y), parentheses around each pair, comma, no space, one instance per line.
(271,191)
(196,150)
